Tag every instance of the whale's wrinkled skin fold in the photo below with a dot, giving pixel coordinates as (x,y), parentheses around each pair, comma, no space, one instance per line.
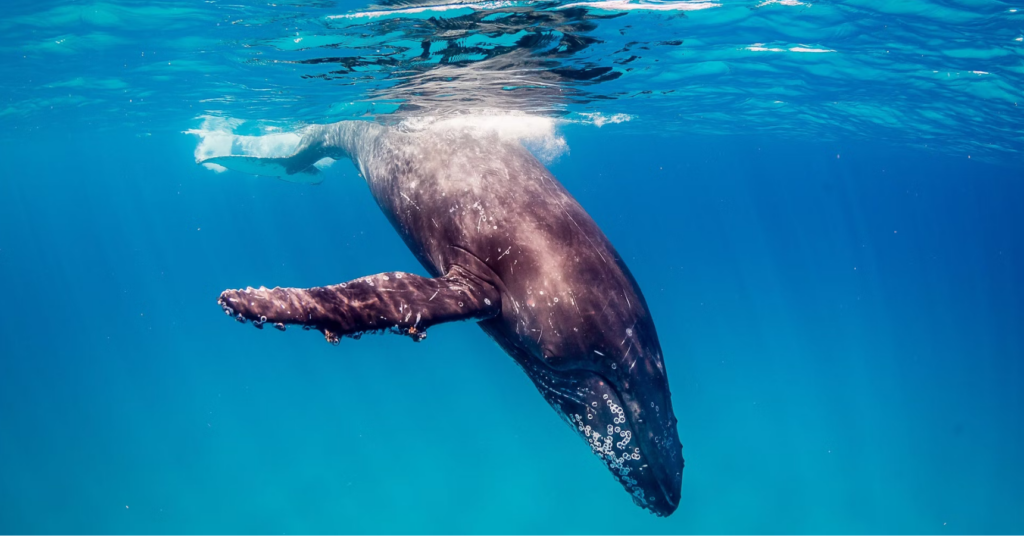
(509,247)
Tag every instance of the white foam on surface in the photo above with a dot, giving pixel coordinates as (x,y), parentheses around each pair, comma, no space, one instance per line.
(810,50)
(760,47)
(628,5)
(599,120)
(538,134)
(783,3)
(419,9)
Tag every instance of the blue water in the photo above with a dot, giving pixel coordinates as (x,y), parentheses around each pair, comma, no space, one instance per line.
(829,242)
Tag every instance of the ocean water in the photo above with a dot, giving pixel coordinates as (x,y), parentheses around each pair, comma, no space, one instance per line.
(823,203)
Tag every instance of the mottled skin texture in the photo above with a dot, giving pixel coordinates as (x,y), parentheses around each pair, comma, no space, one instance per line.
(511,248)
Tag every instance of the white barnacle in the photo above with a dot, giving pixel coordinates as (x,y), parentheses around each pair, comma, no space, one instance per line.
(487,301)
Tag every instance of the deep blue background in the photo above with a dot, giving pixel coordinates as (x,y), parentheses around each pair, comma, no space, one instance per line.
(843,327)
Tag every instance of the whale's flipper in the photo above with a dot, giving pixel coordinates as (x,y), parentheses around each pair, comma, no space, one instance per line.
(287,168)
(392,301)
(346,139)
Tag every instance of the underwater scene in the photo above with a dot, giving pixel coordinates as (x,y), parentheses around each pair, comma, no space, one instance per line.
(514,267)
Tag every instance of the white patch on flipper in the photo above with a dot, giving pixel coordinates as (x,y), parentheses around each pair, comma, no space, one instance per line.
(218,138)
(267,167)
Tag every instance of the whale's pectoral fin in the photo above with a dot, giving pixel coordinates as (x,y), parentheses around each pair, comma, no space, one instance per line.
(290,168)
(392,301)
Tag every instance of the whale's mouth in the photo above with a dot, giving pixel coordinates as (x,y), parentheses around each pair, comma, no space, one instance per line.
(633,449)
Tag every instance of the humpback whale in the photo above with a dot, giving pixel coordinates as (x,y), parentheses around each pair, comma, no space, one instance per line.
(507,246)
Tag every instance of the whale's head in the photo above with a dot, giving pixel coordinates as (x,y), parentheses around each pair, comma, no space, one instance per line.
(612,390)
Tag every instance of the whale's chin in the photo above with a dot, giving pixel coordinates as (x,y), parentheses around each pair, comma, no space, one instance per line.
(593,406)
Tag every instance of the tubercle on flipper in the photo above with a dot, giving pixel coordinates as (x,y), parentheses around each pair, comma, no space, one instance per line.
(416,334)
(413,333)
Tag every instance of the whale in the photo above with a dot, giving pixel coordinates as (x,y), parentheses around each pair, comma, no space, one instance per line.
(506,246)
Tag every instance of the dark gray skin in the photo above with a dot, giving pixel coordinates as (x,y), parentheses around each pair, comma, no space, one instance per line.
(508,246)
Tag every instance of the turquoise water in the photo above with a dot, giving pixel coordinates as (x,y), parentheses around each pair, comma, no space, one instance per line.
(821,201)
